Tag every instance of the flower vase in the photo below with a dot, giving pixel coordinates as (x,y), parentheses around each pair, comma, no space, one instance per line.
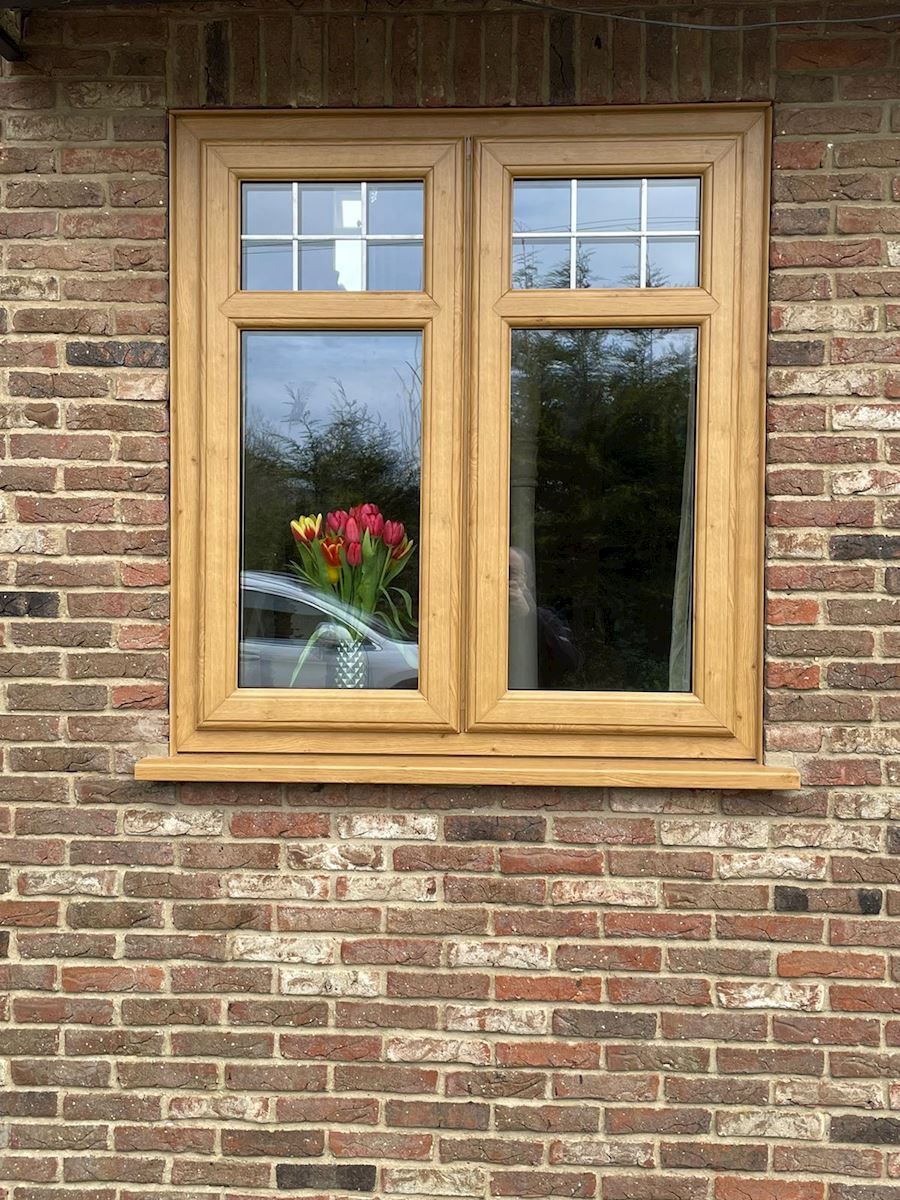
(351,665)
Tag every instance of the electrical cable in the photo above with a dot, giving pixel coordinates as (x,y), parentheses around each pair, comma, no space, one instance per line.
(612,16)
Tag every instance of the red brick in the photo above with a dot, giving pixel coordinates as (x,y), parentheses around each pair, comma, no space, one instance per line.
(792,612)
(759,1189)
(790,675)
(830,964)
(822,54)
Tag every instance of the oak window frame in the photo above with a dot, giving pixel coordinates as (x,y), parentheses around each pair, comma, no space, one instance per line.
(463,725)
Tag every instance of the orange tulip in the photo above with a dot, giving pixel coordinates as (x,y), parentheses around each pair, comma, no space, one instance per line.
(331,552)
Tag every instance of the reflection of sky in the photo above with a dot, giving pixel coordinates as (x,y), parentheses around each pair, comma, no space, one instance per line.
(376,369)
(668,342)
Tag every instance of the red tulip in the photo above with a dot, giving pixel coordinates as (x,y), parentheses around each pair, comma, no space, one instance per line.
(374,523)
(352,531)
(393,533)
(354,554)
(402,550)
(365,510)
(336,521)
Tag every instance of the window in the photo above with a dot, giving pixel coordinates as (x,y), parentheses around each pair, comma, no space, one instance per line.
(326,237)
(467,438)
(606,233)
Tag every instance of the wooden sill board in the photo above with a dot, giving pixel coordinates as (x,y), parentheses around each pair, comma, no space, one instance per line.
(515,772)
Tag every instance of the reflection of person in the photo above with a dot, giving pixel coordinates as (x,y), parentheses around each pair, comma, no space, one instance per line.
(534,630)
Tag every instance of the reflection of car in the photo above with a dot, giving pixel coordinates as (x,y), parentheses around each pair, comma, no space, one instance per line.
(278,617)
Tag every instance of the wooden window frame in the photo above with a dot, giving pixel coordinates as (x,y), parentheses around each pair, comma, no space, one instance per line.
(462,725)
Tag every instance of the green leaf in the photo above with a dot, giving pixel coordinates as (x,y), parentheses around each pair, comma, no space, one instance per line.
(301,661)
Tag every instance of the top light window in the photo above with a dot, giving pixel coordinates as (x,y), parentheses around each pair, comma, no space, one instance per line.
(332,237)
(606,233)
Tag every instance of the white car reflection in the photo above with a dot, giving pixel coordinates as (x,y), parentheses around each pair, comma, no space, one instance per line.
(278,617)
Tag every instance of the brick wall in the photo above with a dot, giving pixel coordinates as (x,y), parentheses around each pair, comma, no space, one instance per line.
(230,990)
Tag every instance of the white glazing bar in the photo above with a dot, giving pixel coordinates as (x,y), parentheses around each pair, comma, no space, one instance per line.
(295,246)
(643,265)
(364,233)
(573,245)
(384,237)
(394,237)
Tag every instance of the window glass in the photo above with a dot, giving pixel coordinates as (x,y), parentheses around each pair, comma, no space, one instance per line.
(328,237)
(673,204)
(270,616)
(542,205)
(601,505)
(610,263)
(608,205)
(541,264)
(330,508)
(672,262)
(395,266)
(395,208)
(267,208)
(330,208)
(268,266)
(580,225)
(330,266)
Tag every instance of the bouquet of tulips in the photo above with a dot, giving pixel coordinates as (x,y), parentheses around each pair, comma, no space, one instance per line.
(355,556)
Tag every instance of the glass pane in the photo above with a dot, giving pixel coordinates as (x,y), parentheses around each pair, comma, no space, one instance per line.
(267,208)
(331,428)
(609,263)
(330,208)
(395,267)
(601,509)
(673,204)
(542,205)
(267,266)
(331,266)
(396,208)
(672,262)
(540,264)
(608,205)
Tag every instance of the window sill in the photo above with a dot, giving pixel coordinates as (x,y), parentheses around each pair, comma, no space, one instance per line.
(519,771)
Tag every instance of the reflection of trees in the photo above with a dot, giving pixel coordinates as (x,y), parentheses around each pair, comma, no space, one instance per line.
(600,422)
(528,272)
(349,457)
